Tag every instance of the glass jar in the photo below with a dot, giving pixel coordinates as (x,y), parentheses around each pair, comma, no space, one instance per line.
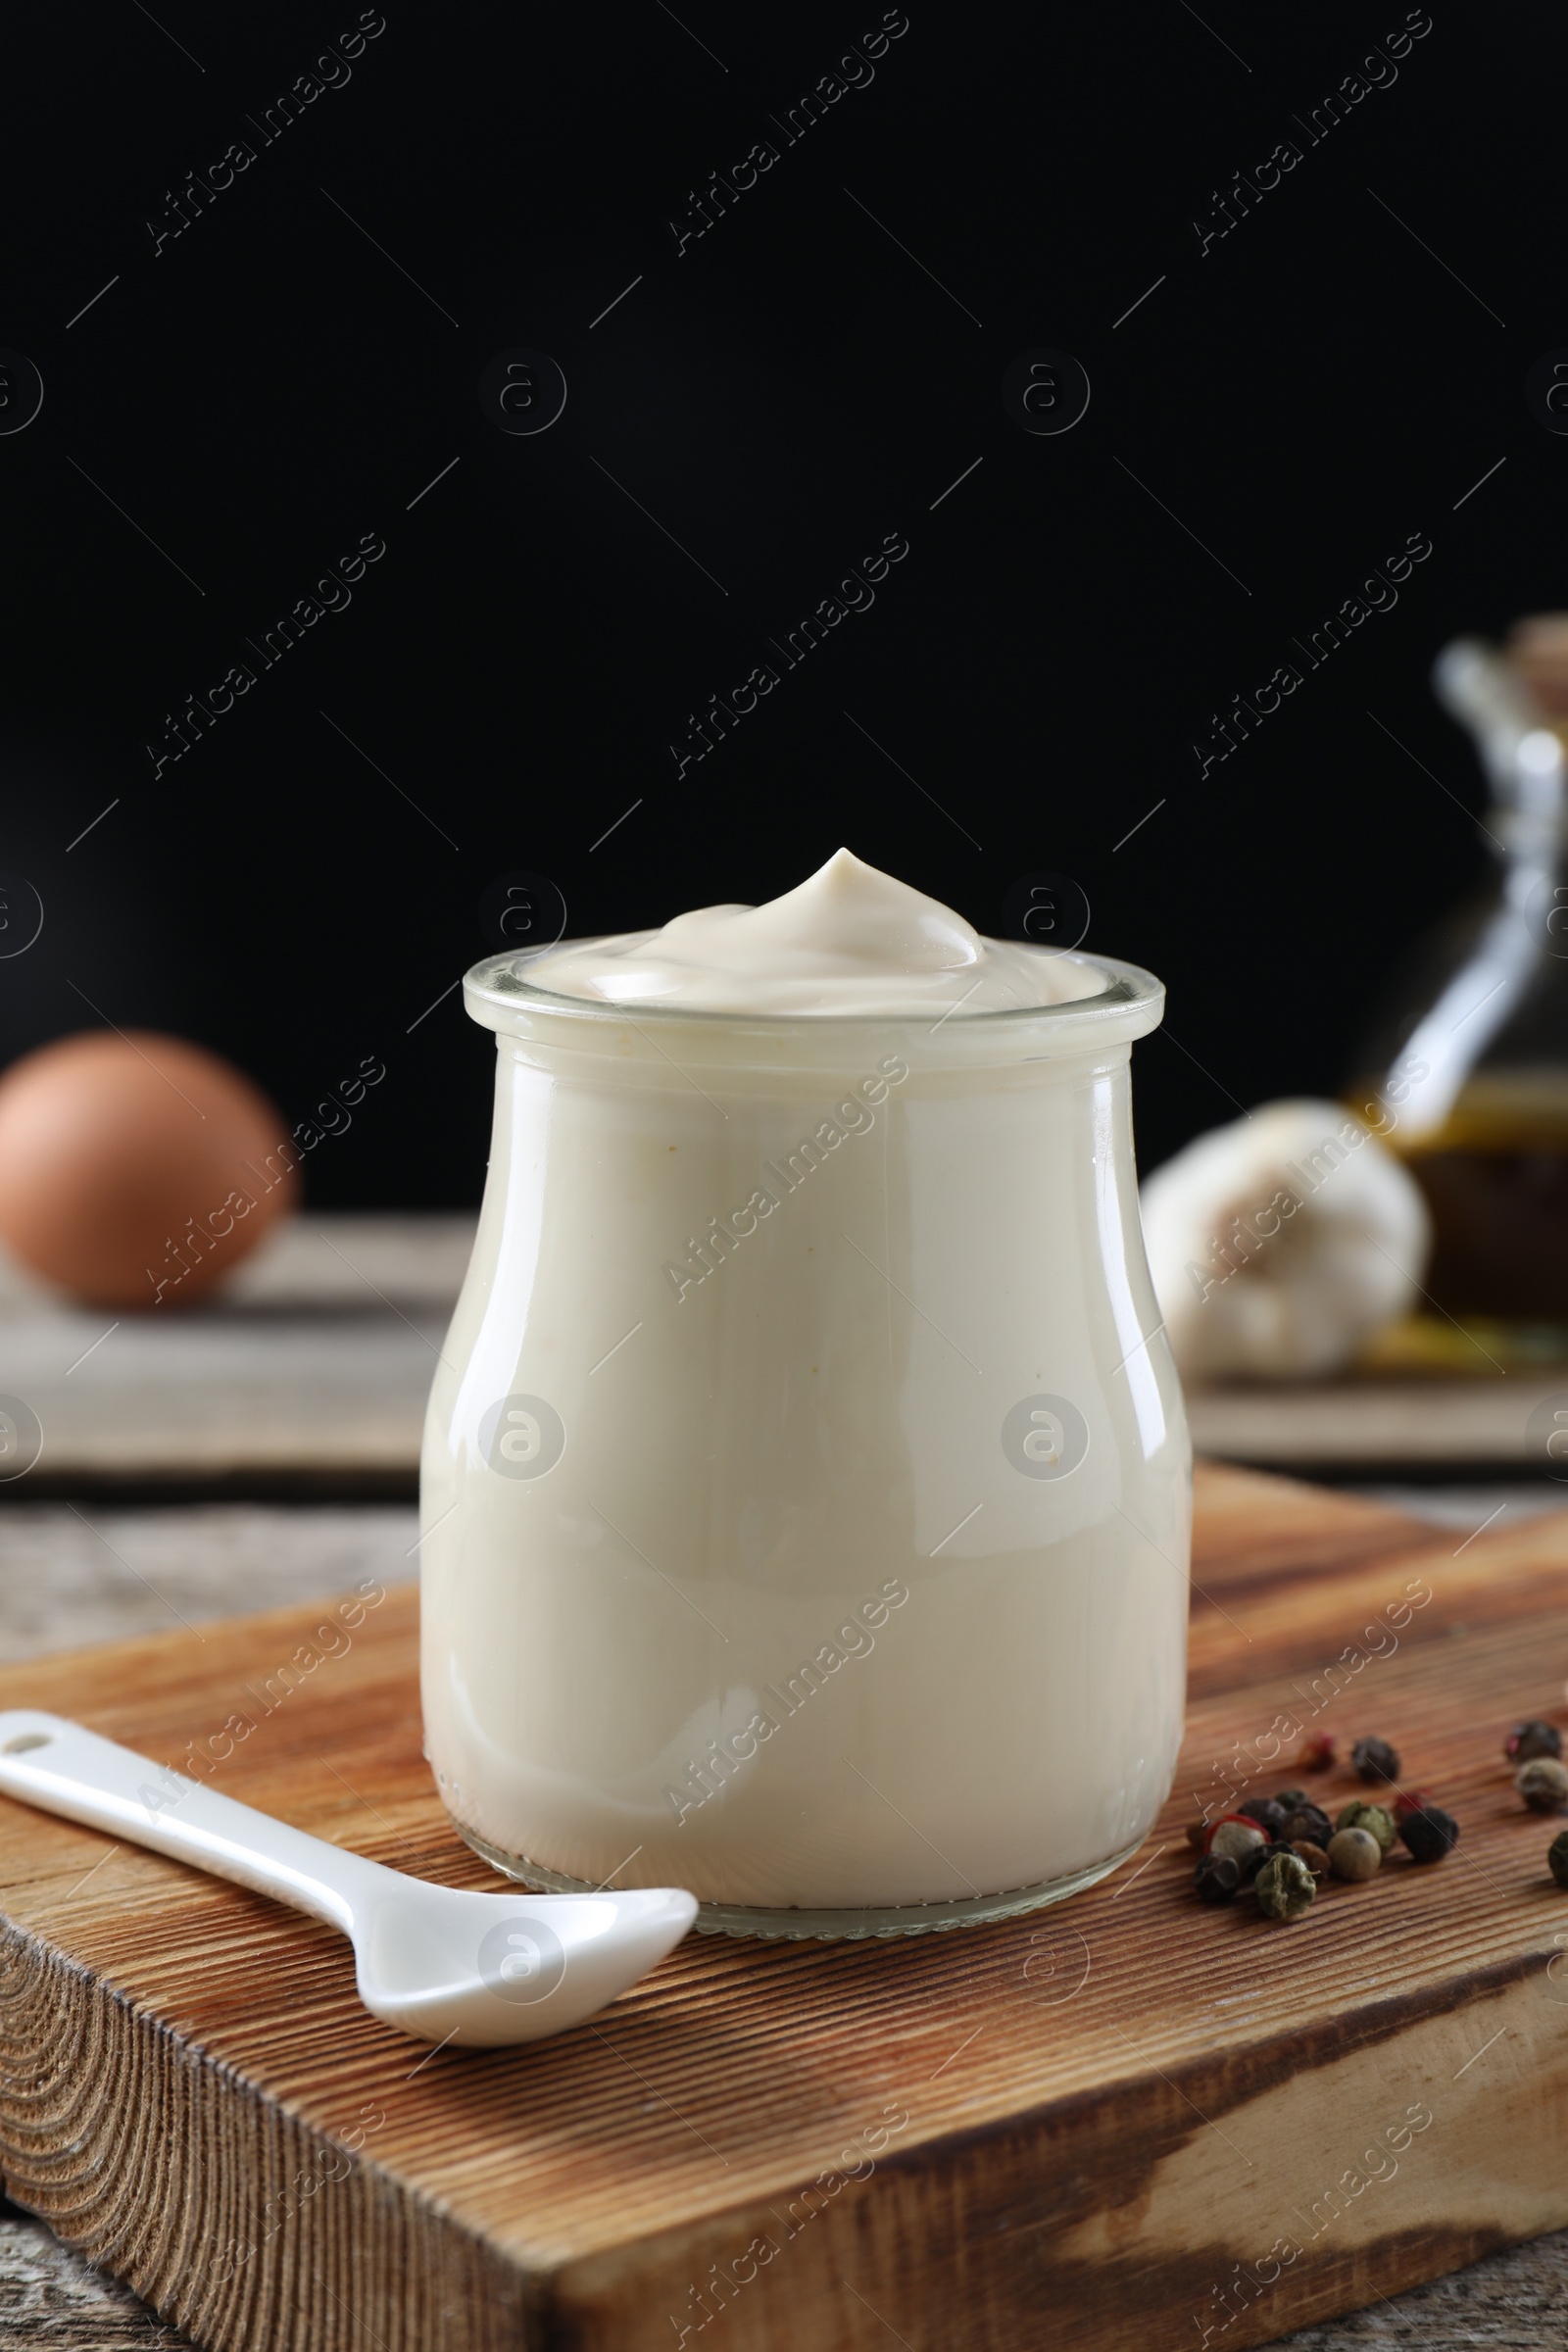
(1471,1057)
(805,1490)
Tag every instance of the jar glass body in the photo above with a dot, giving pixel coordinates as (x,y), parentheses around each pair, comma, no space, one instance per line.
(806,1488)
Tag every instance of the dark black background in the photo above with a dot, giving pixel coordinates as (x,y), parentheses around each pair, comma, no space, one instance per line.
(1305,395)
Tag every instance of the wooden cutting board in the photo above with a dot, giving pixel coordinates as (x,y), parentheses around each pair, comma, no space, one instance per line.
(1129,2122)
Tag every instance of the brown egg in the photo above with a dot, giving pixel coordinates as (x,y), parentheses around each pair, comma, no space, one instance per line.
(137,1169)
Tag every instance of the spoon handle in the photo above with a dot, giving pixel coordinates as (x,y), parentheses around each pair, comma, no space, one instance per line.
(64,1768)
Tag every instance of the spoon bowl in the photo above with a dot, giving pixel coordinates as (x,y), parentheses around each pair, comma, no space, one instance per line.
(439,1963)
(443,1964)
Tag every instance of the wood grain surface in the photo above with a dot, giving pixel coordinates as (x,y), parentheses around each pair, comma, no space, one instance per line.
(1361,1424)
(315,1361)
(313,1364)
(1082,2126)
(51,2301)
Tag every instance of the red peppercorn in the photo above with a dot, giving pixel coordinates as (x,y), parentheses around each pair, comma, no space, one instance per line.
(1412,1800)
(1530,1739)
(1316,1752)
(1254,1839)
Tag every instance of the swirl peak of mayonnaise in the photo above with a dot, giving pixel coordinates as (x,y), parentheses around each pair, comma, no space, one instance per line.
(847,941)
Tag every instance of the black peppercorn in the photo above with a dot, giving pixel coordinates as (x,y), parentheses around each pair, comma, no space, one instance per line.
(1216,1878)
(1430,1833)
(1267,1811)
(1254,1862)
(1557,1857)
(1288,1799)
(1528,1739)
(1375,1760)
(1308,1823)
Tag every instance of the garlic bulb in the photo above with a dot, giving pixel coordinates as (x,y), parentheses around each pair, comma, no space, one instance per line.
(1279,1242)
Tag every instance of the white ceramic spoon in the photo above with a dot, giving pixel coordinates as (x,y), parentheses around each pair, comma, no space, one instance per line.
(434,1961)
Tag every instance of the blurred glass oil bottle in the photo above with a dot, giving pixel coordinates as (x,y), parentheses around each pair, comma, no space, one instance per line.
(1476,1077)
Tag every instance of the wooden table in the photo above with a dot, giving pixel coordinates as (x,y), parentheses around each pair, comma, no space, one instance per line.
(1377,1427)
(311,1369)
(309,1377)
(310,1372)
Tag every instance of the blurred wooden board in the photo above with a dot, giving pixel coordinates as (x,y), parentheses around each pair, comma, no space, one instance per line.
(313,1365)
(1071,2126)
(1430,1424)
(311,1369)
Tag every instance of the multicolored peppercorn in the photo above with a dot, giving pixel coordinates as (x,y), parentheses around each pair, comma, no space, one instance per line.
(1216,1879)
(1533,1739)
(1355,1854)
(1377,1820)
(1254,1862)
(1308,1822)
(1429,1833)
(1284,1847)
(1543,1783)
(1234,1834)
(1285,1886)
(1375,1760)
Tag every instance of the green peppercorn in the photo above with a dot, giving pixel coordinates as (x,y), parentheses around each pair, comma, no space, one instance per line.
(1316,1860)
(1285,1886)
(1429,1833)
(1533,1739)
(1310,1822)
(1377,1820)
(1354,1853)
(1543,1783)
(1375,1760)
(1557,1857)
(1216,1878)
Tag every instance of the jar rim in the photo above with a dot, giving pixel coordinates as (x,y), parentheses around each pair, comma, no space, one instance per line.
(497,987)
